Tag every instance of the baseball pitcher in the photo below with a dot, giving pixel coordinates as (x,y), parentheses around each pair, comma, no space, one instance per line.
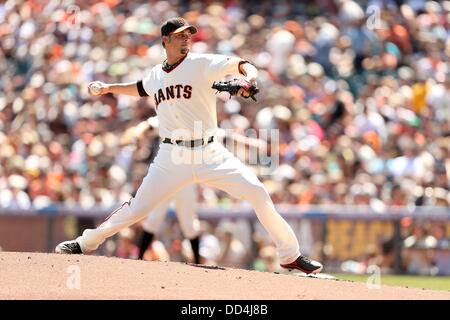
(189,153)
(185,201)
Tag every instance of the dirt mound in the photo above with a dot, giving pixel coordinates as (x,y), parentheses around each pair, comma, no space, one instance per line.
(52,276)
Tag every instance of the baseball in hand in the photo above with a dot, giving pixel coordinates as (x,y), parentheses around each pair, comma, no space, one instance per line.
(95,88)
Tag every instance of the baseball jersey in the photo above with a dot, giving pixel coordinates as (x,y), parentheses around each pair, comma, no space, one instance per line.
(185,102)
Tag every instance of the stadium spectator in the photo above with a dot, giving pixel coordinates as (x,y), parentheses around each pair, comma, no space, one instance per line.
(126,247)
(418,251)
(441,258)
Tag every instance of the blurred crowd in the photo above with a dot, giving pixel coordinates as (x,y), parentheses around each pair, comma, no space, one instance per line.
(359,91)
(425,250)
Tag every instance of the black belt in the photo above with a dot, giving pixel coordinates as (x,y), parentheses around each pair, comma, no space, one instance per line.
(189,143)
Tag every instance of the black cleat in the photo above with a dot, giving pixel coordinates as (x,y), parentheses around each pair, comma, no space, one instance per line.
(68,247)
(305,265)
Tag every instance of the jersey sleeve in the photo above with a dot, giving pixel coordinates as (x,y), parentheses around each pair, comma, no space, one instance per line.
(219,66)
(153,122)
(144,86)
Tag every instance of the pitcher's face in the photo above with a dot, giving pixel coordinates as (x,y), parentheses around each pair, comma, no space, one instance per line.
(179,42)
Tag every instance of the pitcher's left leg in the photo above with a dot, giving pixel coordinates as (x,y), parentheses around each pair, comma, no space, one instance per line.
(232,176)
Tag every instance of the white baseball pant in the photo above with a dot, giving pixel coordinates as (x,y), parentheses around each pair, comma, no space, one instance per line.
(212,165)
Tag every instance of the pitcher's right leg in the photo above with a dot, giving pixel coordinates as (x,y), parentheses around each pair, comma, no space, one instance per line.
(163,180)
(154,190)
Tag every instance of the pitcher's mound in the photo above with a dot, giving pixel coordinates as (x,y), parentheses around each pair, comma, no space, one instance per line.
(52,276)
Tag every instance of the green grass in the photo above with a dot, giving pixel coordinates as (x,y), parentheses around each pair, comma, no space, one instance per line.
(435,283)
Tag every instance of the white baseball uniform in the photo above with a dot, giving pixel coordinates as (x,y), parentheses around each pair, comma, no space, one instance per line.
(185,209)
(186,109)
(185,201)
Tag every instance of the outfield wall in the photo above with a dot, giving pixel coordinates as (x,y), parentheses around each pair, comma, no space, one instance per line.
(332,234)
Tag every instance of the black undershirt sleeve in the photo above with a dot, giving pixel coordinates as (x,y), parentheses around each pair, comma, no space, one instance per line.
(141,90)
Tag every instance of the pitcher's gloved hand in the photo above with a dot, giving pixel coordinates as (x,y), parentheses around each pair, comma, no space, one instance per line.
(237,87)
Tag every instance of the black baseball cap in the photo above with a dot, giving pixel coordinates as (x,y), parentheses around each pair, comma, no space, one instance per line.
(175,25)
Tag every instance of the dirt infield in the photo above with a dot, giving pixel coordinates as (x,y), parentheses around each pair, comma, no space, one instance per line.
(51,276)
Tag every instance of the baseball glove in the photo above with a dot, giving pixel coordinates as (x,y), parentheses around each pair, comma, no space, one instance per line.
(233,87)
